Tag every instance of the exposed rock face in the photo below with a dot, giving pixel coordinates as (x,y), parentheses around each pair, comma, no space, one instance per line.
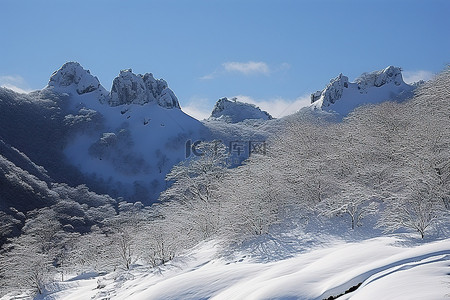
(335,89)
(233,111)
(72,76)
(72,73)
(379,78)
(129,88)
(168,99)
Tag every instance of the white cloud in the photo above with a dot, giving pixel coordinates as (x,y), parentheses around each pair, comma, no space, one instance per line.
(15,83)
(247,68)
(278,107)
(414,76)
(284,66)
(209,76)
(198,108)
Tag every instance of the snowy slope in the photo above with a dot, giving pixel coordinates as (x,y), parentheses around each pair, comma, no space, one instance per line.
(341,96)
(133,139)
(388,268)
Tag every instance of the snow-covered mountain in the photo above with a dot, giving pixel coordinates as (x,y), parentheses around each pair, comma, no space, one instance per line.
(123,141)
(342,96)
(126,140)
(71,77)
(233,111)
(127,87)
(130,137)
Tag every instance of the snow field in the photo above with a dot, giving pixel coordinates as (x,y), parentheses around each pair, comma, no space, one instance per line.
(385,267)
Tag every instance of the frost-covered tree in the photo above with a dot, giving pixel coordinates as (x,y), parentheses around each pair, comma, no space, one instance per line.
(251,200)
(161,242)
(416,208)
(354,203)
(195,186)
(347,167)
(123,231)
(418,192)
(29,260)
(25,266)
(299,155)
(93,252)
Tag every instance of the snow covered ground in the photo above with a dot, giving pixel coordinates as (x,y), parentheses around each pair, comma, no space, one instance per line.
(389,267)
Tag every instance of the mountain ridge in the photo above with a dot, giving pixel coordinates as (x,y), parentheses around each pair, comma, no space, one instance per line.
(128,139)
(127,87)
(342,96)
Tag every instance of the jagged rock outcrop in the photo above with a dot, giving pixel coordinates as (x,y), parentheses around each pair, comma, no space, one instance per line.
(333,91)
(379,78)
(72,76)
(234,111)
(129,88)
(390,76)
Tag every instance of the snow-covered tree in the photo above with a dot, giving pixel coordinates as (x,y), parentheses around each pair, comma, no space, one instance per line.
(418,182)
(353,203)
(299,155)
(93,251)
(347,166)
(30,258)
(161,242)
(25,266)
(418,208)
(195,185)
(251,200)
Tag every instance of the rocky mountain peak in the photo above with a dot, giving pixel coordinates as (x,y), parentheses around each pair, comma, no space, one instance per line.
(73,76)
(333,91)
(390,76)
(234,111)
(379,78)
(128,88)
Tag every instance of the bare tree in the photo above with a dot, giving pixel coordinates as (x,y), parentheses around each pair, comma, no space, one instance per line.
(416,208)
(251,201)
(195,184)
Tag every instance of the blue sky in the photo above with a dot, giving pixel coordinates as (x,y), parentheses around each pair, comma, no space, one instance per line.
(271,53)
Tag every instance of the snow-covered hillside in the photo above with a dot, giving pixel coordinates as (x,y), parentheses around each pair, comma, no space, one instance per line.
(392,267)
(342,96)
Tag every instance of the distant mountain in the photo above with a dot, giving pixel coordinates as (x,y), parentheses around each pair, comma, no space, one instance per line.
(127,87)
(233,111)
(127,139)
(341,96)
